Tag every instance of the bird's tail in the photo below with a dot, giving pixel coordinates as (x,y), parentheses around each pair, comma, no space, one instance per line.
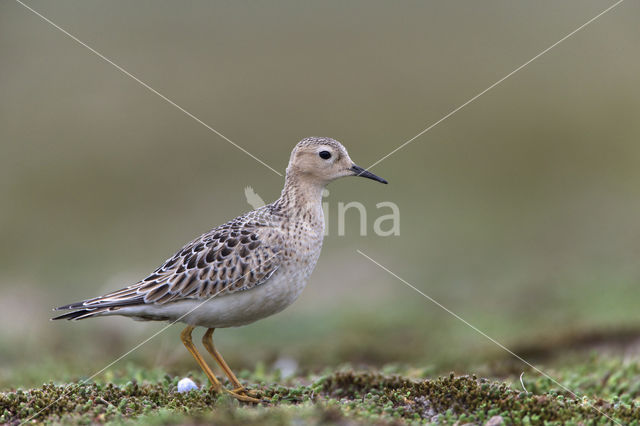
(100,306)
(82,314)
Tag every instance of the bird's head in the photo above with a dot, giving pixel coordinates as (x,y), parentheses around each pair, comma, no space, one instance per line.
(322,160)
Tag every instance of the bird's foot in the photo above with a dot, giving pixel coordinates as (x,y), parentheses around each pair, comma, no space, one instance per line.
(242,394)
(244,391)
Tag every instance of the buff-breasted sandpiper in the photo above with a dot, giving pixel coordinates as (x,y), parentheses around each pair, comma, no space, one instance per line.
(247,269)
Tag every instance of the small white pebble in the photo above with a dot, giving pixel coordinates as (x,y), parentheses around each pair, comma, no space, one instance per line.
(186,384)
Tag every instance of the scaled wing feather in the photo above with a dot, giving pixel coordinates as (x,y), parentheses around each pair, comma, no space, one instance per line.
(233,257)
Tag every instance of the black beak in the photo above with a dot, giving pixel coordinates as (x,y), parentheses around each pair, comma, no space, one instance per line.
(359,171)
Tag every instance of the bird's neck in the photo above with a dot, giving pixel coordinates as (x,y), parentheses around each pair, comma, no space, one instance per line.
(301,195)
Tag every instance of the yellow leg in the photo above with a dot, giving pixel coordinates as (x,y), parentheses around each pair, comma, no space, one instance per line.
(185,336)
(239,391)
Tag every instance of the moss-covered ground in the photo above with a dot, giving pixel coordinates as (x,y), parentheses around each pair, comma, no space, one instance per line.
(607,391)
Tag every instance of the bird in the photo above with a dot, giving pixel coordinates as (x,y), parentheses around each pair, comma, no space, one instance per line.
(247,269)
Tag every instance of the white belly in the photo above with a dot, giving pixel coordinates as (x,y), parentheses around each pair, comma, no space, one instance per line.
(229,310)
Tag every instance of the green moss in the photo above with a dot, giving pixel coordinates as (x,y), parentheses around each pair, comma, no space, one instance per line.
(346,396)
(469,399)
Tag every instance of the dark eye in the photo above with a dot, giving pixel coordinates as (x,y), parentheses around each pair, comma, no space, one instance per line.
(325,155)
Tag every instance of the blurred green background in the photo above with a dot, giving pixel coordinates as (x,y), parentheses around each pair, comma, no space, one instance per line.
(519,213)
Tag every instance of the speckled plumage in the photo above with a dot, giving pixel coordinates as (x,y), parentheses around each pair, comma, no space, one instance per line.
(249,268)
(252,266)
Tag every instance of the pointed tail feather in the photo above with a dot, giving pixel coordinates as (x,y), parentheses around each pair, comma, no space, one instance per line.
(81,314)
(98,304)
